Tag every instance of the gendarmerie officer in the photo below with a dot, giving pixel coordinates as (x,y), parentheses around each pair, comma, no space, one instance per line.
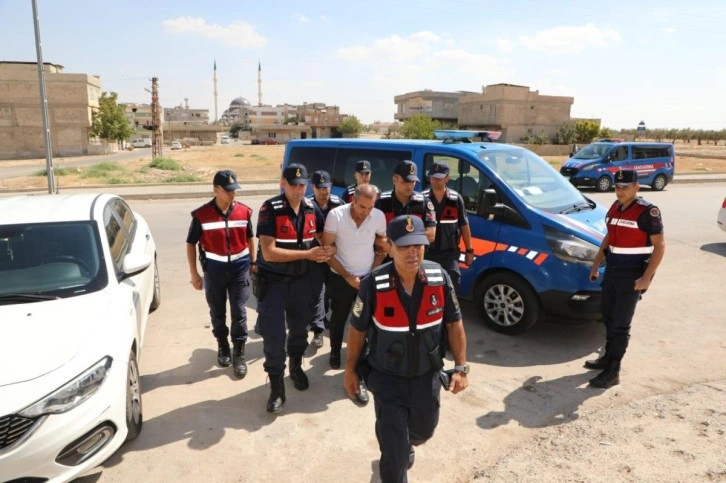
(362,175)
(324,201)
(633,249)
(452,224)
(402,308)
(286,226)
(403,200)
(223,230)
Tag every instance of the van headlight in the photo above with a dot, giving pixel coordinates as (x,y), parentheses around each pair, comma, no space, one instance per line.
(570,248)
(589,168)
(71,394)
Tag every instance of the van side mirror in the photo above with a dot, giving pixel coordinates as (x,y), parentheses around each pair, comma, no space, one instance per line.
(490,208)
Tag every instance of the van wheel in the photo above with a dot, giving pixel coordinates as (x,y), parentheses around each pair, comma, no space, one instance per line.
(134,415)
(603,184)
(507,304)
(659,183)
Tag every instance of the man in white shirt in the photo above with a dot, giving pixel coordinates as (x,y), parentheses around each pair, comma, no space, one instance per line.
(353,229)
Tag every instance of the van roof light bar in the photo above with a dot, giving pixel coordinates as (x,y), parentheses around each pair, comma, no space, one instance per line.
(453,135)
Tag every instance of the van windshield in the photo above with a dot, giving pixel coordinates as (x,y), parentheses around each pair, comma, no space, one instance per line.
(593,151)
(534,181)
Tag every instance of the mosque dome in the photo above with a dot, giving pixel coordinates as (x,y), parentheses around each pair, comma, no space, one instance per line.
(239,102)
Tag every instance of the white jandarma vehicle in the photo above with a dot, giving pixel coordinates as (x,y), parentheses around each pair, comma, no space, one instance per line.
(78,278)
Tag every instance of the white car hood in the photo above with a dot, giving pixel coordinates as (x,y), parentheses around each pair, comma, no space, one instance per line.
(38,338)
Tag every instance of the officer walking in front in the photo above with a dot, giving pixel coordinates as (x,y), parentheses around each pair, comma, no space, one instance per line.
(402,308)
(223,230)
(633,249)
(362,175)
(404,200)
(324,201)
(286,226)
(452,224)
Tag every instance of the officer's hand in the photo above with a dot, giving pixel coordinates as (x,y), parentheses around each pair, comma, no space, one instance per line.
(196,281)
(350,382)
(458,383)
(318,254)
(594,274)
(642,284)
(469,258)
(353,281)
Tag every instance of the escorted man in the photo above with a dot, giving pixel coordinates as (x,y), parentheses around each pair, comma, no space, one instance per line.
(403,200)
(324,201)
(633,249)
(223,230)
(451,222)
(362,176)
(402,308)
(286,226)
(353,228)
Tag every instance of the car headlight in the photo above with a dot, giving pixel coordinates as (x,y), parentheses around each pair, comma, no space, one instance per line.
(589,168)
(570,248)
(71,394)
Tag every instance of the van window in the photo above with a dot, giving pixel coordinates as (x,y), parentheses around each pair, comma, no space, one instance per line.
(647,152)
(463,177)
(382,165)
(593,151)
(621,153)
(316,159)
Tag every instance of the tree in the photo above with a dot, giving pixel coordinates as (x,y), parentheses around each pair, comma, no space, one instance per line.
(565,134)
(419,127)
(586,131)
(235,128)
(350,127)
(109,121)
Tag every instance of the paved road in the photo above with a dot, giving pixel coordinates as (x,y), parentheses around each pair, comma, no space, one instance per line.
(15,169)
(201,424)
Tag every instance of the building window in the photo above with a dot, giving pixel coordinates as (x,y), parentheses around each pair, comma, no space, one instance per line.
(531,108)
(492,111)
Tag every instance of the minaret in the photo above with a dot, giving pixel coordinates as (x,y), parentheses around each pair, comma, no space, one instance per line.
(216,118)
(259,83)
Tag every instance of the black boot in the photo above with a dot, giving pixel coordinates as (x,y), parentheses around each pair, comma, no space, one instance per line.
(223,353)
(609,377)
(599,363)
(299,379)
(277,393)
(238,359)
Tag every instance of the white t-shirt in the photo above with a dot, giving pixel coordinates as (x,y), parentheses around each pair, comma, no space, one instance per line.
(355,244)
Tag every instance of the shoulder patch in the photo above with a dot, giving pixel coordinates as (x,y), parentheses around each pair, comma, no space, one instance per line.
(357,306)
(655,212)
(429,205)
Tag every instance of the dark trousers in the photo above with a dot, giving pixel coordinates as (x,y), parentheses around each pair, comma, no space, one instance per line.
(449,261)
(319,273)
(284,301)
(218,286)
(618,306)
(341,300)
(407,413)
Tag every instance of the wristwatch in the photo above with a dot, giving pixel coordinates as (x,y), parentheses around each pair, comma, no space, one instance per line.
(463,369)
(469,250)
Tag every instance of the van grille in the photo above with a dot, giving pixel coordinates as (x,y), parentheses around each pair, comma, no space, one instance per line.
(568,171)
(12,428)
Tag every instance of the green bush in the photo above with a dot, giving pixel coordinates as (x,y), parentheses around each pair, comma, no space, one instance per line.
(101,170)
(165,164)
(57,171)
(182,178)
(239,155)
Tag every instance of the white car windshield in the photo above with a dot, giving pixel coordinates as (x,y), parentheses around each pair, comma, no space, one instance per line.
(50,260)
(535,182)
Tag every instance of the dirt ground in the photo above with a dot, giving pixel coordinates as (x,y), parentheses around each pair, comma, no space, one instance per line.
(254,163)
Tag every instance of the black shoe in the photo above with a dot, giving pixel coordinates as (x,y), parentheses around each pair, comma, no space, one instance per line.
(608,378)
(238,360)
(411,457)
(597,364)
(317,341)
(224,357)
(362,395)
(335,359)
(277,393)
(299,379)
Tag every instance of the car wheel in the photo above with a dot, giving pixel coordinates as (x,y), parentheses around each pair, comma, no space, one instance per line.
(507,304)
(134,415)
(603,184)
(156,298)
(659,183)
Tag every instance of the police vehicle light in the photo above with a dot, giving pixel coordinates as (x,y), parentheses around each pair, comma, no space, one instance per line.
(569,248)
(466,136)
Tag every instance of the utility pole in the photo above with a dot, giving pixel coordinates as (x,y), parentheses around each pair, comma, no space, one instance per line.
(44,104)
(157,137)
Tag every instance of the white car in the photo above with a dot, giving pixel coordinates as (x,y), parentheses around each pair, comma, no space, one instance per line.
(721,220)
(78,278)
(141,143)
(224,139)
(176,145)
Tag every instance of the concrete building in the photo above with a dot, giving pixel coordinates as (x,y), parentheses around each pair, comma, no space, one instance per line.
(71,101)
(322,118)
(514,110)
(440,106)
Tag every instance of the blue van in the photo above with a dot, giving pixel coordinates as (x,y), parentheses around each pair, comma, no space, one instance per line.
(596,164)
(534,235)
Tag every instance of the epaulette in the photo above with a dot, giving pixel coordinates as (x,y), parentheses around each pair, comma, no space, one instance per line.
(308,203)
(277,203)
(417,197)
(453,194)
(431,274)
(384,280)
(386,194)
(641,201)
(335,199)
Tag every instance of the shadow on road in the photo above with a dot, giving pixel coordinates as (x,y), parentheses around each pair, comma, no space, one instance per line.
(715,248)
(538,404)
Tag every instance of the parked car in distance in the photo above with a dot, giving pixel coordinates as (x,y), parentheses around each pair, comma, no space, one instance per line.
(255,141)
(224,139)
(176,145)
(141,143)
(721,220)
(268,141)
(78,277)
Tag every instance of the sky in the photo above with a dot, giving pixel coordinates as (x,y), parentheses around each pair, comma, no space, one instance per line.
(661,62)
